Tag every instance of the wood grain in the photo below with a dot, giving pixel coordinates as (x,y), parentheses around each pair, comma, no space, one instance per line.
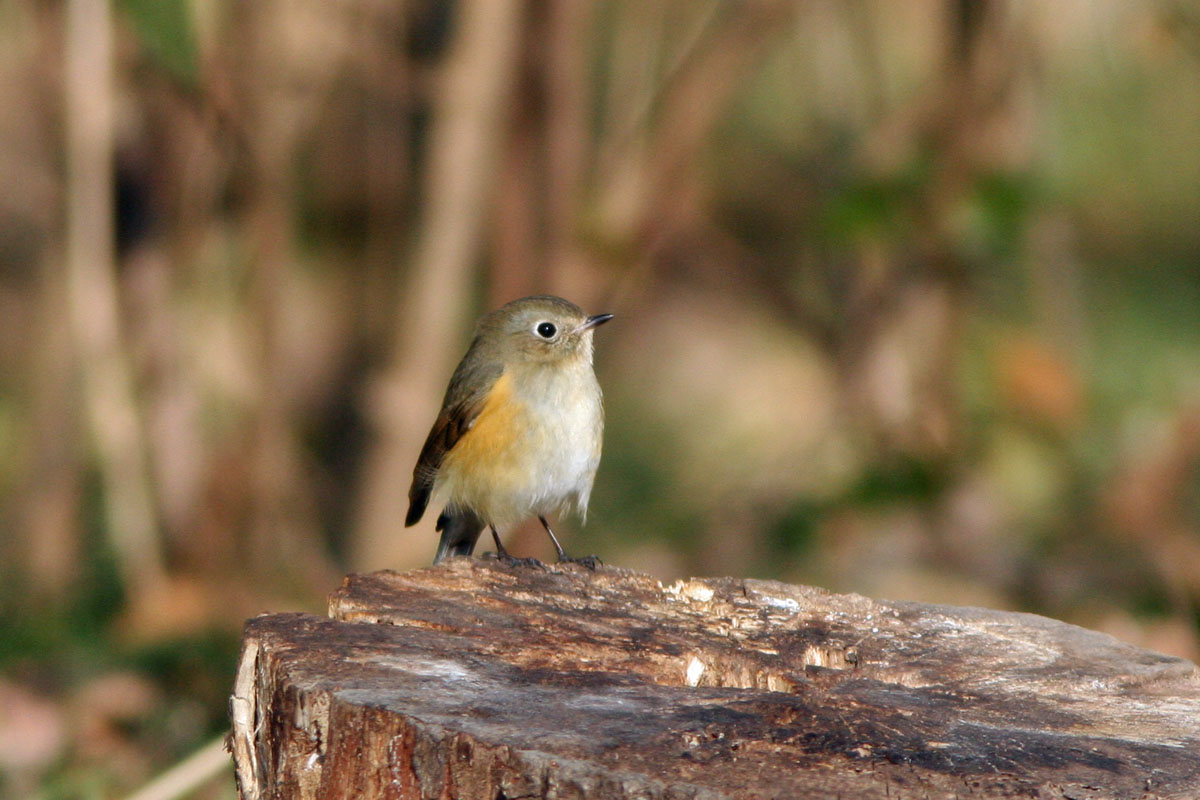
(475,680)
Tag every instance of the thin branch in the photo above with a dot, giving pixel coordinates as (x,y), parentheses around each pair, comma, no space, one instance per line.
(188,775)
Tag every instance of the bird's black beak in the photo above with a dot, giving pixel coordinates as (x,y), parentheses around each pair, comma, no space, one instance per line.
(593,321)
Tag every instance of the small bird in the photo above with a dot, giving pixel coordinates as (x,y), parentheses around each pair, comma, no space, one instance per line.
(520,429)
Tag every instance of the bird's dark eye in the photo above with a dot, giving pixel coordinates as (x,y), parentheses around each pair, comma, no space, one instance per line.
(546,330)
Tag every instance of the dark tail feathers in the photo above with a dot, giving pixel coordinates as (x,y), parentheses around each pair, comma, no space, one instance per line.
(460,530)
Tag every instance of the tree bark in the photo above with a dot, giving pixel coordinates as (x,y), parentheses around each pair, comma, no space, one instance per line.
(475,680)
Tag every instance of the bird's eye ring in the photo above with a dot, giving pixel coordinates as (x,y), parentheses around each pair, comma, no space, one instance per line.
(546,330)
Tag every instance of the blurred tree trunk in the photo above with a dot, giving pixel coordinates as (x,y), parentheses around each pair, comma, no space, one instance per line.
(568,142)
(390,160)
(285,535)
(42,512)
(108,392)
(51,493)
(470,121)
(537,247)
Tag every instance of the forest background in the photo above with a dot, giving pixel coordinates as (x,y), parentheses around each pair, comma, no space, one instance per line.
(907,304)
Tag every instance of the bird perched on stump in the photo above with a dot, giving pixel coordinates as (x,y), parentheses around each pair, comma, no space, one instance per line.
(520,429)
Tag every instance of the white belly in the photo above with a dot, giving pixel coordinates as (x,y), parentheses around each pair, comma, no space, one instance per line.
(566,425)
(547,463)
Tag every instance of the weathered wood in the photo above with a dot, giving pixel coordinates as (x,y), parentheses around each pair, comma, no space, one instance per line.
(475,680)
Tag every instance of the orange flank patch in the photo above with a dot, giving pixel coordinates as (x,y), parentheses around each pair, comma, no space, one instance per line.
(484,459)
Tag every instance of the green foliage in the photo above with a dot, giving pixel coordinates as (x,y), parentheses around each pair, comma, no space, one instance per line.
(1001,204)
(637,490)
(164,27)
(899,479)
(197,669)
(794,532)
(876,207)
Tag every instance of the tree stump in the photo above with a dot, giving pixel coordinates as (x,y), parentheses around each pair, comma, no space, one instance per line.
(476,680)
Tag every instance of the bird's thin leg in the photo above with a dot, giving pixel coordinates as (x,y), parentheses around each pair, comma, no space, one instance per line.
(562,555)
(508,558)
(588,561)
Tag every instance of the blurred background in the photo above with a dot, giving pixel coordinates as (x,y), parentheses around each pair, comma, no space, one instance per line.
(907,297)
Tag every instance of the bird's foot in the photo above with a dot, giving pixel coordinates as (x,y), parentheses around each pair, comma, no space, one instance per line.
(508,558)
(591,562)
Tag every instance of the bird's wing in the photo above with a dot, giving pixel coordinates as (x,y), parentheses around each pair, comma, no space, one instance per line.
(469,388)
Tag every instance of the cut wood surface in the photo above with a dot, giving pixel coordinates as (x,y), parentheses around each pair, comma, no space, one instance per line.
(477,680)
